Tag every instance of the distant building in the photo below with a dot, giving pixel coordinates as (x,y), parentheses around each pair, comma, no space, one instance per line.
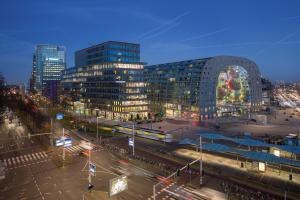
(267,91)
(51,90)
(110,51)
(111,85)
(48,62)
(204,88)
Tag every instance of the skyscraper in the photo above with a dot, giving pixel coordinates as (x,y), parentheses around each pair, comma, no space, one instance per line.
(48,62)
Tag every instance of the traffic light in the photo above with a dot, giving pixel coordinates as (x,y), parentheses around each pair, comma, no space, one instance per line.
(90,187)
(178,172)
(188,167)
(202,173)
(291,177)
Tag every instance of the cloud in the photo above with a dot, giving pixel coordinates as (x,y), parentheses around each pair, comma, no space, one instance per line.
(163,27)
(280,41)
(291,18)
(205,35)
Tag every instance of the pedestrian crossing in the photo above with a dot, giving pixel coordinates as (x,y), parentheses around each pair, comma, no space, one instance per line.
(25,160)
(77,149)
(173,192)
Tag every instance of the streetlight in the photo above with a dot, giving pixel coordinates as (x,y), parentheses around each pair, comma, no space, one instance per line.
(200,141)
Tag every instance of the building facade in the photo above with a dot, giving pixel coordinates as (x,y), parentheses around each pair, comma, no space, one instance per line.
(204,88)
(110,51)
(48,63)
(114,90)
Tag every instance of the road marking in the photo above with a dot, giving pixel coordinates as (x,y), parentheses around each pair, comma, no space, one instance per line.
(45,154)
(9,161)
(26,158)
(13,159)
(37,155)
(33,156)
(5,163)
(22,158)
(29,156)
(18,161)
(41,154)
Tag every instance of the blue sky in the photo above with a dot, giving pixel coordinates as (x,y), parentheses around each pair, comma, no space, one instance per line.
(266,31)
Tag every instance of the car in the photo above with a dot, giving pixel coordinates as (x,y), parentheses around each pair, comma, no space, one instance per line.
(286,119)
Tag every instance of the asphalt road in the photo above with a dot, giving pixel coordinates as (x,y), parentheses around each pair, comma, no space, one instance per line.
(32,171)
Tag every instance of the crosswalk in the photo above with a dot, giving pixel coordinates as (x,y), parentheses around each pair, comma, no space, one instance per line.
(173,192)
(25,160)
(76,149)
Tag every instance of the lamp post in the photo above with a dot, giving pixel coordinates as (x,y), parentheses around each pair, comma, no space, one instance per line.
(97,131)
(200,141)
(133,138)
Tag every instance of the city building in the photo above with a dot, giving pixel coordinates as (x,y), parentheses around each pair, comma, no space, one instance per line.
(111,88)
(204,88)
(110,51)
(32,79)
(48,63)
(267,91)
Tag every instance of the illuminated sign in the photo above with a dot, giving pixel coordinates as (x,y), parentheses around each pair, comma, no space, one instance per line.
(276,152)
(130,142)
(262,166)
(117,185)
(92,169)
(59,143)
(59,116)
(68,142)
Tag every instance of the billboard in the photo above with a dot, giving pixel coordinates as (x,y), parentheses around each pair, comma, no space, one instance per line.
(117,185)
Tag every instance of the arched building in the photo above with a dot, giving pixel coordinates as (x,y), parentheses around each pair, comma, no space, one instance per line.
(204,88)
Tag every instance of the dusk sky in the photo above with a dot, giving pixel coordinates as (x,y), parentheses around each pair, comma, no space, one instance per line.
(265,31)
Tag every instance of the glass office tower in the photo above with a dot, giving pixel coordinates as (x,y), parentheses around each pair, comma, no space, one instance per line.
(113,89)
(110,51)
(49,61)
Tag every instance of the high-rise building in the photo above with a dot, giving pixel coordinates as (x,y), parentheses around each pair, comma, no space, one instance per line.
(110,51)
(48,63)
(32,79)
(111,88)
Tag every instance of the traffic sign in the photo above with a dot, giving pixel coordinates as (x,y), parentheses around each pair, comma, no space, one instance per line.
(59,116)
(130,142)
(66,142)
(92,169)
(59,142)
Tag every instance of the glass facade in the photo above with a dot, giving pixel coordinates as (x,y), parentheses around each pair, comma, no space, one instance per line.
(204,88)
(111,90)
(173,88)
(49,61)
(110,51)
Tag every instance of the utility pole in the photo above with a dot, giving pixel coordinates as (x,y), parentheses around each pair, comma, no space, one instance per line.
(97,131)
(90,176)
(133,139)
(64,153)
(200,141)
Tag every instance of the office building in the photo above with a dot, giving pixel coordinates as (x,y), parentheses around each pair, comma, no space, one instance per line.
(110,51)
(110,89)
(204,88)
(48,63)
